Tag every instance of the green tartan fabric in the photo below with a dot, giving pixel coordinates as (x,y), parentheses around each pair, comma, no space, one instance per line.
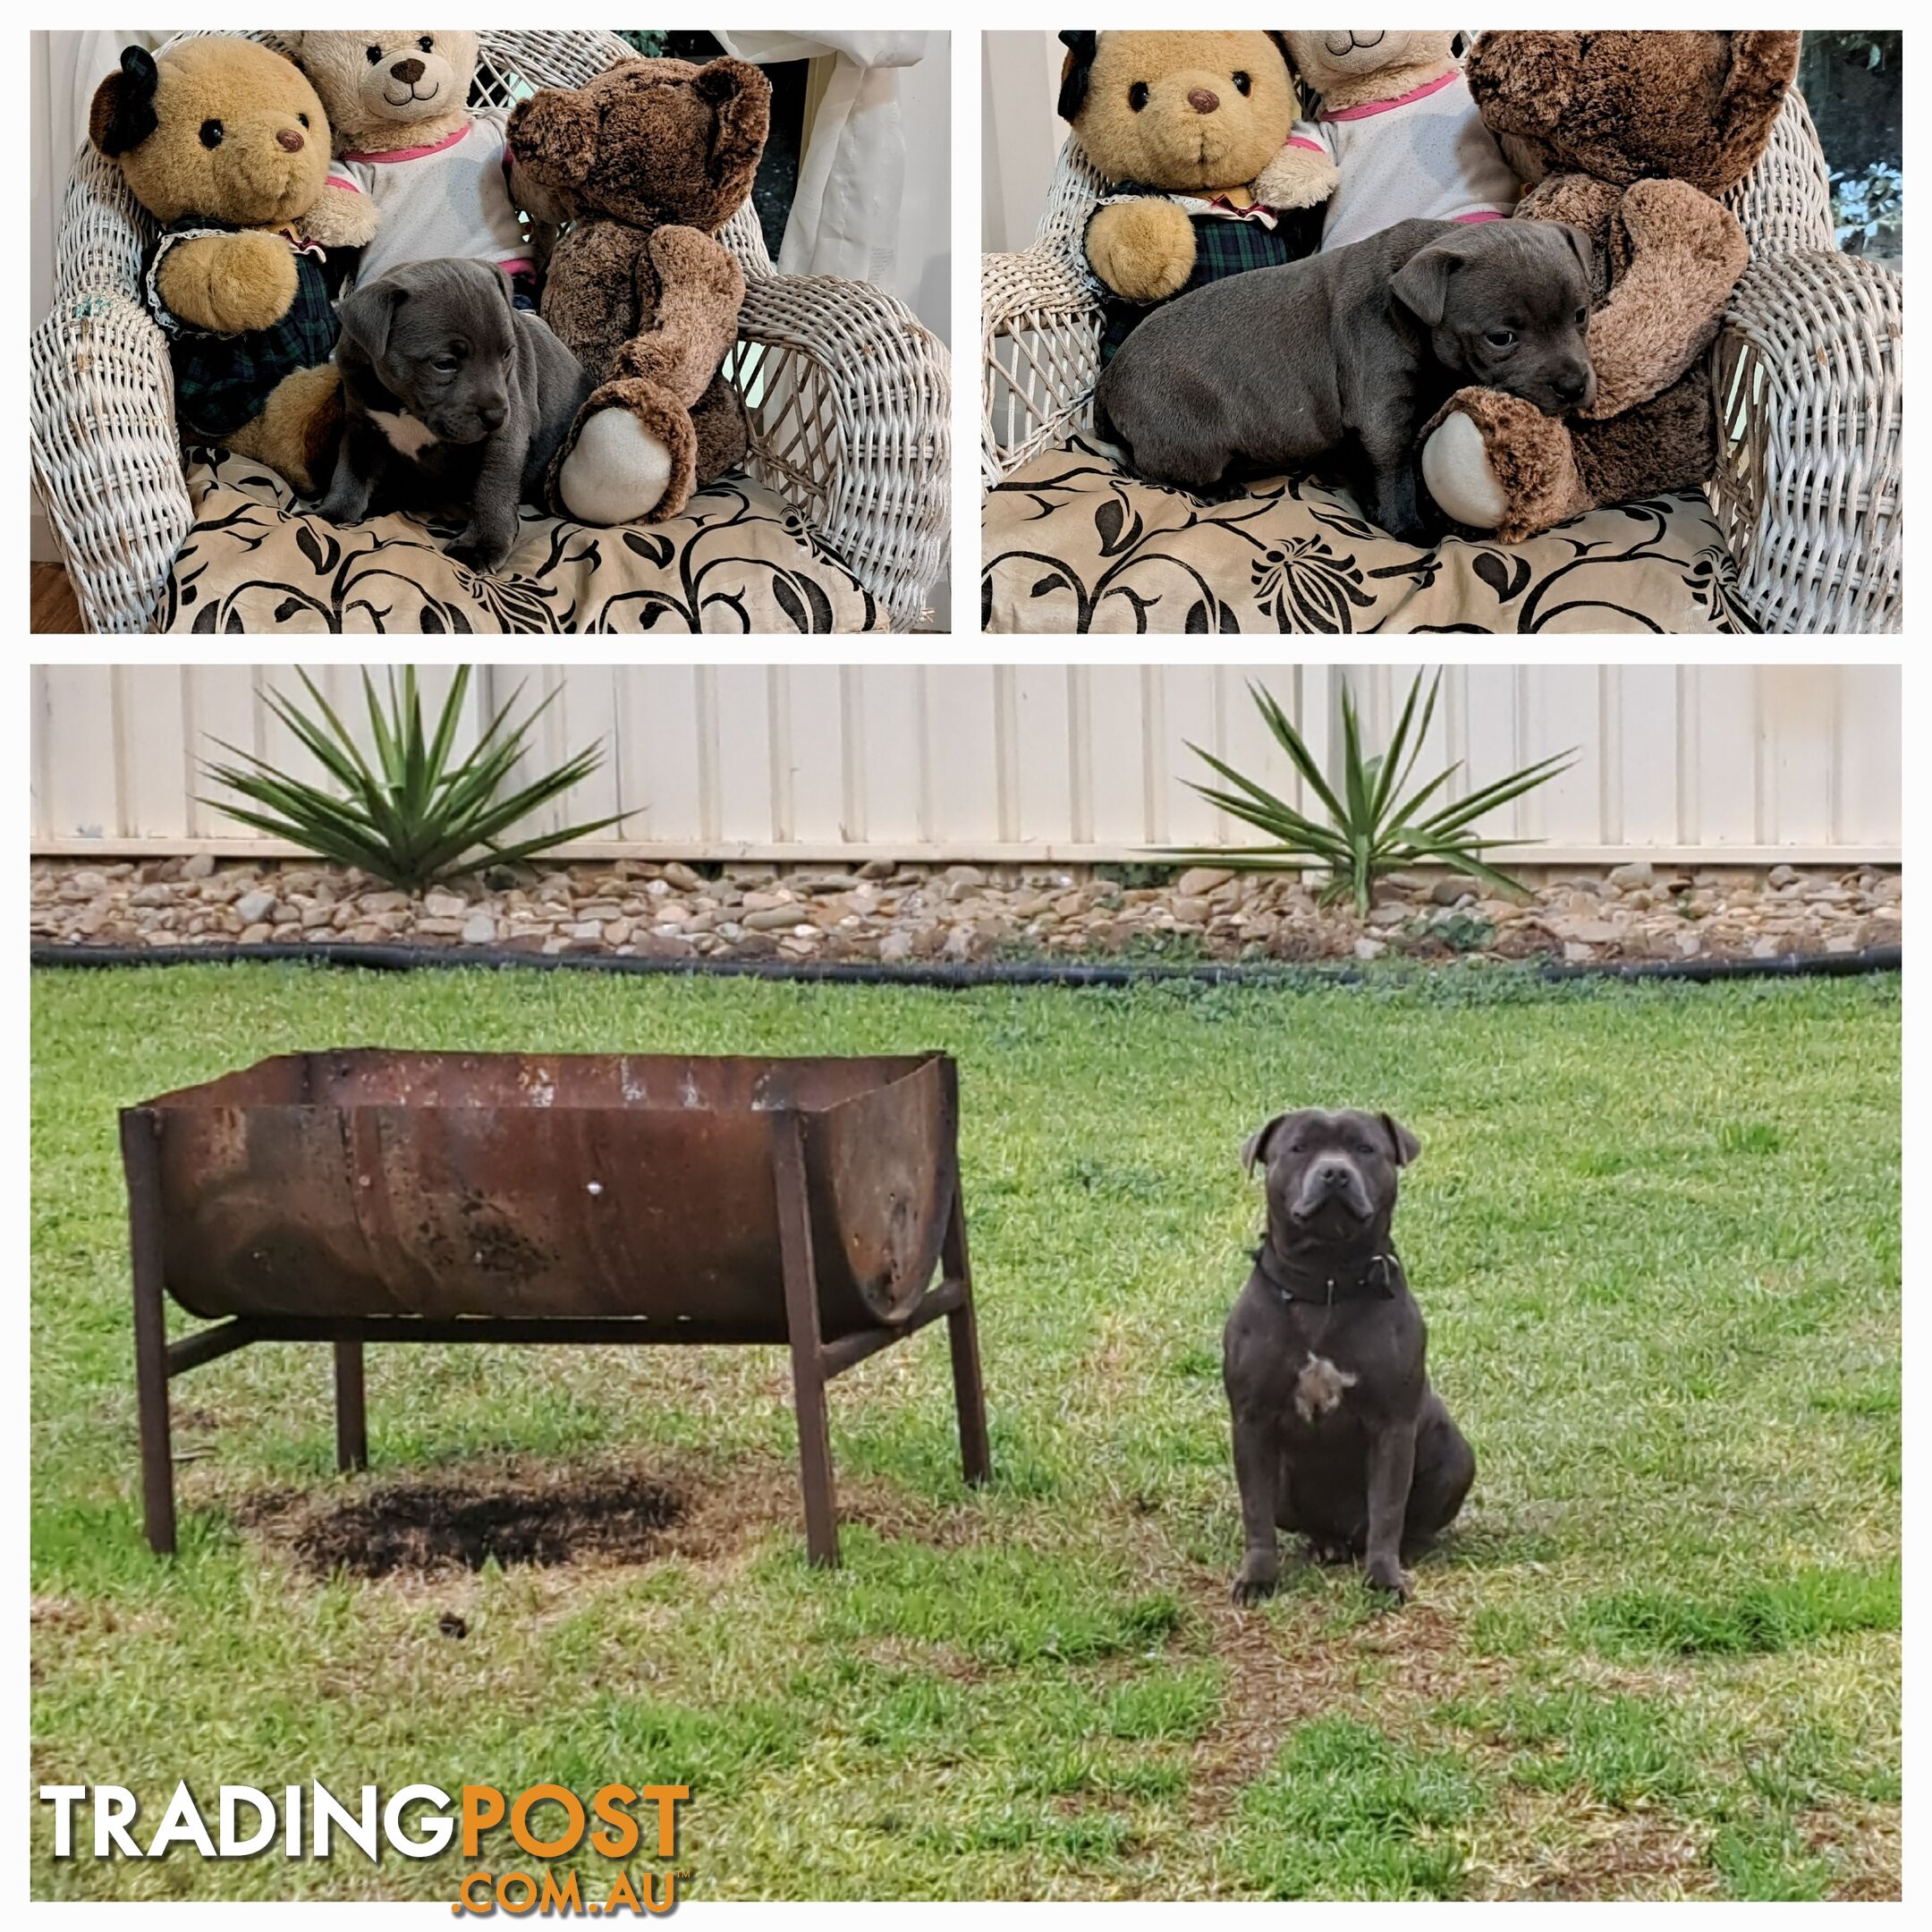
(222,382)
(1223,246)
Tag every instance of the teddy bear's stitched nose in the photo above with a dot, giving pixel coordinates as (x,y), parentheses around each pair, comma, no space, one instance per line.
(291,140)
(410,70)
(1203,102)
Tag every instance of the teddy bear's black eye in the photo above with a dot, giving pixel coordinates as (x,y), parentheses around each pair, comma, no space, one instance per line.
(1137,96)
(426,42)
(1243,83)
(303,119)
(374,53)
(211,133)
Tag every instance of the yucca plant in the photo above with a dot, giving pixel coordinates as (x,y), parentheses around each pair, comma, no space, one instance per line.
(1375,825)
(417,813)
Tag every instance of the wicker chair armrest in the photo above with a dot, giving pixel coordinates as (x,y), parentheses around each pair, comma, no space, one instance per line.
(106,461)
(1040,353)
(103,233)
(1808,372)
(850,399)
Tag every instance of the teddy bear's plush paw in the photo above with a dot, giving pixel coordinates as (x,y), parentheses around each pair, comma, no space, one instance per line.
(1296,178)
(1493,462)
(341,218)
(617,473)
(631,457)
(1143,249)
(230,284)
(1673,214)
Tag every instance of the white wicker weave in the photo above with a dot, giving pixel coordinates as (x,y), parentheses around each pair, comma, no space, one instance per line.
(848,395)
(1809,367)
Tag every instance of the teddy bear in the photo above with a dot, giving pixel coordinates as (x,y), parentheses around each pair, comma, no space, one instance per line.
(646,162)
(1398,121)
(1631,137)
(397,99)
(1184,123)
(225,144)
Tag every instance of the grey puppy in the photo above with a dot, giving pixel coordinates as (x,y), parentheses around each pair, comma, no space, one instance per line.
(450,394)
(1351,353)
(1337,1433)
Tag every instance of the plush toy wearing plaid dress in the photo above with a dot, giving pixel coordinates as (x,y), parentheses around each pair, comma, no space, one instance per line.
(226,145)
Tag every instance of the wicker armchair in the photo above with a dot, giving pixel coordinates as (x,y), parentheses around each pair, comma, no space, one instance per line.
(1808,369)
(848,395)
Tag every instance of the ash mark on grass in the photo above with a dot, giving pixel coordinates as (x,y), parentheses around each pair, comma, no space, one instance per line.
(420,1527)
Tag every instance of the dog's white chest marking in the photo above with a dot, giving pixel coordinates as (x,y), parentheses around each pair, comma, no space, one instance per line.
(1319,1387)
(404,431)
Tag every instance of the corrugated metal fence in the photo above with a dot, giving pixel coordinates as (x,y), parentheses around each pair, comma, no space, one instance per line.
(990,762)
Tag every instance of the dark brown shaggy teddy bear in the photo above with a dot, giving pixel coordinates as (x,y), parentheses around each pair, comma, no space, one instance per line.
(647,162)
(1630,136)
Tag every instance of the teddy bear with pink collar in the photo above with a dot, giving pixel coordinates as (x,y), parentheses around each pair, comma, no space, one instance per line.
(1398,122)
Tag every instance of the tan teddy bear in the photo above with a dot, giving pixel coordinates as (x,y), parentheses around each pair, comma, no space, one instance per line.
(1195,130)
(225,144)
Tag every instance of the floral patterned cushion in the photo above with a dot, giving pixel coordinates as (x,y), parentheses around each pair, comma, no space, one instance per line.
(1070,542)
(739,559)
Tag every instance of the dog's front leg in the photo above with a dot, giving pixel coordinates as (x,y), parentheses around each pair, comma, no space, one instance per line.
(1387,441)
(1391,1471)
(1258,1475)
(359,469)
(491,533)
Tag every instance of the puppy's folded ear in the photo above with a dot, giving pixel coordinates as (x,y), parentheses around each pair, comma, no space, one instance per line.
(1580,246)
(1407,1146)
(368,314)
(1421,285)
(1254,1148)
(500,280)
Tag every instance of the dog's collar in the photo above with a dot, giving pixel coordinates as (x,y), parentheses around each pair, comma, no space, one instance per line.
(1376,1275)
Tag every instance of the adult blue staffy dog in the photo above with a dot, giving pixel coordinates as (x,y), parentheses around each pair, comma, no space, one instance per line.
(1337,1434)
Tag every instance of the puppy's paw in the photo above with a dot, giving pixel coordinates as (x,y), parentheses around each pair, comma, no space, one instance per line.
(617,473)
(1258,1578)
(483,550)
(1385,1574)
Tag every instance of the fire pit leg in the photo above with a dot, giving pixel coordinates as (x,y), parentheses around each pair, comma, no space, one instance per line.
(140,1159)
(968,1394)
(801,1323)
(352,1420)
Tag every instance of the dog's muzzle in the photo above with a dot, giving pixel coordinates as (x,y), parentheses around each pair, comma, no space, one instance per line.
(1332,1182)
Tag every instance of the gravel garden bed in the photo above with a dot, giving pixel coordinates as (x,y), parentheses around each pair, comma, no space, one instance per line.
(893,913)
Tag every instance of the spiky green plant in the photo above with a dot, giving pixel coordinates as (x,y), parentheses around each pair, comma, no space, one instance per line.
(1375,825)
(417,813)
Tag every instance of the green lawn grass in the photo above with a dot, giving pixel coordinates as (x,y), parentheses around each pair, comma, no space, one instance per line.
(1655,1230)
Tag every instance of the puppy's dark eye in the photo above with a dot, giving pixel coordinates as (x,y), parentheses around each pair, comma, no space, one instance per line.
(374,53)
(426,42)
(1501,338)
(1243,84)
(1582,316)
(445,365)
(211,133)
(1137,96)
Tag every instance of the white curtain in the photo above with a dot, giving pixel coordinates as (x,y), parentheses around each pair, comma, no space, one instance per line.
(851,177)
(65,68)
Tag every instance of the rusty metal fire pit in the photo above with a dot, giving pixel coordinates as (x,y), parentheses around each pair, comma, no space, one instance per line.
(369,1196)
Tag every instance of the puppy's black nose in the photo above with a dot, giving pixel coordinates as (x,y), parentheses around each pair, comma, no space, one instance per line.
(1203,100)
(410,70)
(1571,387)
(493,414)
(1331,1176)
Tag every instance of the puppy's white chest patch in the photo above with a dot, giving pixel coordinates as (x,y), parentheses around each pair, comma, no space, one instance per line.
(1319,1387)
(404,431)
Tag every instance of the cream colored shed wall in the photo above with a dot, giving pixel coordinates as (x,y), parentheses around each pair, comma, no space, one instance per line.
(817,763)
